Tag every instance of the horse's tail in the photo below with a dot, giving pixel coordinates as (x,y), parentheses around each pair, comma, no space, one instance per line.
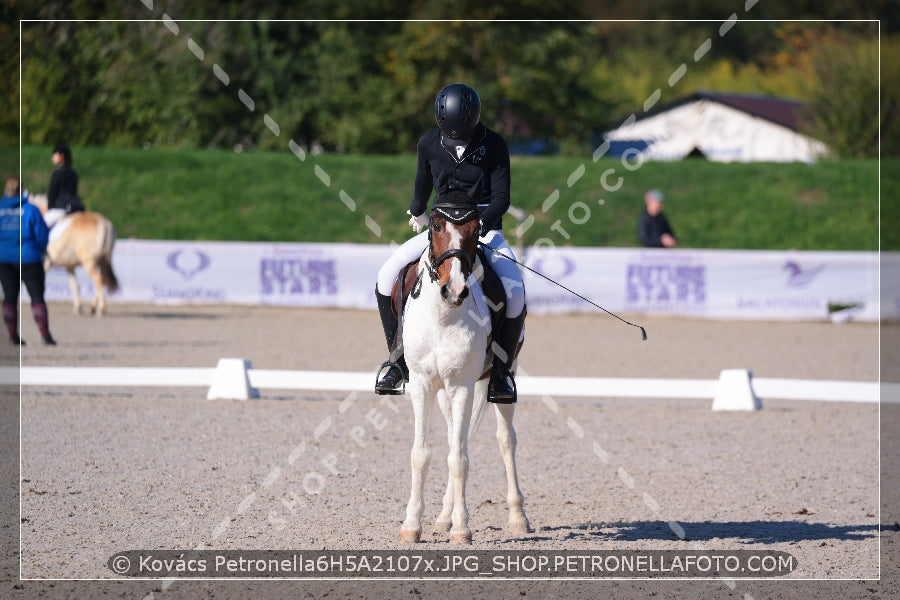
(107,274)
(104,263)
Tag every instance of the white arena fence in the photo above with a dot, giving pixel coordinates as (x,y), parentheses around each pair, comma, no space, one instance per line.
(235,378)
(721,284)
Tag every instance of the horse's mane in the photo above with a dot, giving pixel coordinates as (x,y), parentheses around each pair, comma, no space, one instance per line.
(39,200)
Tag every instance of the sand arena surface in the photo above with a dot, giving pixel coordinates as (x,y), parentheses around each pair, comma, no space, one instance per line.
(108,469)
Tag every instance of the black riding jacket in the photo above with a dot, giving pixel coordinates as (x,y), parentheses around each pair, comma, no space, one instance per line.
(63,187)
(486,158)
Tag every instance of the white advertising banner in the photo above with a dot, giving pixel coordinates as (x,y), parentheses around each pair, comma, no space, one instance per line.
(890,285)
(702,283)
(707,283)
(161,272)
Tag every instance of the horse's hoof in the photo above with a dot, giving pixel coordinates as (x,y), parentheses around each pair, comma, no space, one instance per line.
(410,537)
(461,538)
(520,527)
(443,526)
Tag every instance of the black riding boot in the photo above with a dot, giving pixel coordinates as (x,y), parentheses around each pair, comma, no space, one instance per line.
(502,388)
(395,376)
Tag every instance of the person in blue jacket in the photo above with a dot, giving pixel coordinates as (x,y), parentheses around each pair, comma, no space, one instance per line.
(23,242)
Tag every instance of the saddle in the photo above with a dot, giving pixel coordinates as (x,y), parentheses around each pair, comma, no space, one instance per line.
(59,227)
(491,285)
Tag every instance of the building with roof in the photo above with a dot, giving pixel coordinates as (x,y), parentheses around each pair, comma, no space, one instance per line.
(719,127)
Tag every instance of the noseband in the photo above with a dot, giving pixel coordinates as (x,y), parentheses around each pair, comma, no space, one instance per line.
(458,215)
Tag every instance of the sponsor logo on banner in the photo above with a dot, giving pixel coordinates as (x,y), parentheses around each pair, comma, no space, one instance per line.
(187,263)
(298,276)
(793,299)
(800,277)
(558,267)
(664,283)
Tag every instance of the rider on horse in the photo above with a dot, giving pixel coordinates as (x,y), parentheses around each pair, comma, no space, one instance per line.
(466,153)
(62,199)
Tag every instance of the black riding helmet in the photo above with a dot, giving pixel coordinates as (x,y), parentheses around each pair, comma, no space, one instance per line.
(457,110)
(64,150)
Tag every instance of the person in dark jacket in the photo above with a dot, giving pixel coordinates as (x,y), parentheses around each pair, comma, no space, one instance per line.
(62,198)
(23,241)
(653,228)
(467,154)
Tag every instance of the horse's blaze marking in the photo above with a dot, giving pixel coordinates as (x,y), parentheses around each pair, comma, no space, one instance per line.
(455,277)
(451,271)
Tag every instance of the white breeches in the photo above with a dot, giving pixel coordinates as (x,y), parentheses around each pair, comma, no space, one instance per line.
(53,215)
(507,270)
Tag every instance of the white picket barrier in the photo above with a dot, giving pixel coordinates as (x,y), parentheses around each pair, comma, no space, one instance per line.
(236,379)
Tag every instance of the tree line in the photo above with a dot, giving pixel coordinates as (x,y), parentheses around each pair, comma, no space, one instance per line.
(168,76)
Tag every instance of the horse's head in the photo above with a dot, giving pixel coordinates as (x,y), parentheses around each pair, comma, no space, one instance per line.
(453,236)
(40,201)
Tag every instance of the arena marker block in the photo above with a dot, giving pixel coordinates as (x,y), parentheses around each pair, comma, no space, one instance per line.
(735,392)
(231,382)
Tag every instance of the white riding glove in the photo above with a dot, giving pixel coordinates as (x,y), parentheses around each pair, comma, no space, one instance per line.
(418,223)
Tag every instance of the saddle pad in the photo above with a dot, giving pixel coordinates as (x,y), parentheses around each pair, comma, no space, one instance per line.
(57,230)
(478,296)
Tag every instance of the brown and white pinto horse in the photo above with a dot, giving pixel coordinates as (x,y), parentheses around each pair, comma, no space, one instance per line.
(445,342)
(86,239)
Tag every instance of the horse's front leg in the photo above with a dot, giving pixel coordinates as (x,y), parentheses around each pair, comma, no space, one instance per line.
(73,287)
(506,439)
(460,399)
(443,522)
(420,458)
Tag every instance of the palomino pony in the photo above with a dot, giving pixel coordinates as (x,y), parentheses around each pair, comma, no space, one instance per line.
(86,239)
(446,347)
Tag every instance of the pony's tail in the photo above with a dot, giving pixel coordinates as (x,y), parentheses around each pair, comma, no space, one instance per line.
(107,275)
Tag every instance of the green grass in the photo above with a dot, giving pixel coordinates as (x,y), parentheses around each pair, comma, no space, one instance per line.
(275,196)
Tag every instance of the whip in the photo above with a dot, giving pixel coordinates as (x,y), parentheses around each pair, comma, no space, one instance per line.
(643,331)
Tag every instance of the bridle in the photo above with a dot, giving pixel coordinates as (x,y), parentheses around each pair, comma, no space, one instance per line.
(458,215)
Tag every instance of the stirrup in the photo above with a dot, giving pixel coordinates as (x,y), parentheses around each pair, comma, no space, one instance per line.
(503,396)
(388,384)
